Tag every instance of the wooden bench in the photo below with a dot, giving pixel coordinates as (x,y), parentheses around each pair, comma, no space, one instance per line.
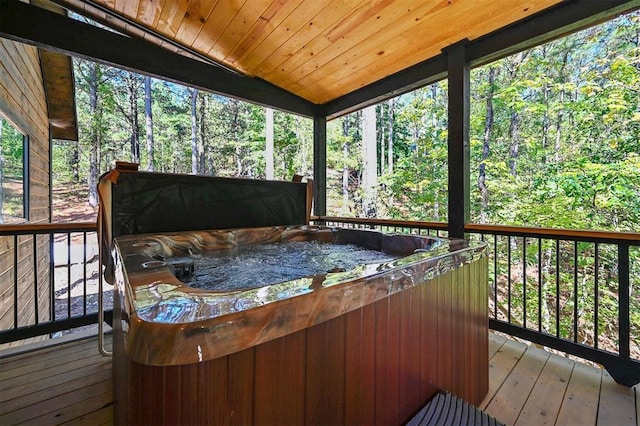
(448,409)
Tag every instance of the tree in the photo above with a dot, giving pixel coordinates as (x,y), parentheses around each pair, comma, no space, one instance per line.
(149,123)
(268,153)
(92,77)
(132,91)
(370,161)
(194,133)
(482,185)
(391,104)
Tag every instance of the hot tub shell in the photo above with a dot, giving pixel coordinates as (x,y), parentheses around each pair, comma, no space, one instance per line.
(368,346)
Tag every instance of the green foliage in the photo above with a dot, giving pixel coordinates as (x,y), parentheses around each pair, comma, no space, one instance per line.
(12,185)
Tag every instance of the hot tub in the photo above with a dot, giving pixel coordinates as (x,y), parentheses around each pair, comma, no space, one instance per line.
(367,345)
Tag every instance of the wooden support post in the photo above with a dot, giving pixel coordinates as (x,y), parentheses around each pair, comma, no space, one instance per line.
(458,75)
(320,166)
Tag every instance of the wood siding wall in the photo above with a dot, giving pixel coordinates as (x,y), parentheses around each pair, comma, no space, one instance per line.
(375,365)
(22,101)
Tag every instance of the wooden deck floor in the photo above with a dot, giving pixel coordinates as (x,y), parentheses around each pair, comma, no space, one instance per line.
(530,386)
(70,384)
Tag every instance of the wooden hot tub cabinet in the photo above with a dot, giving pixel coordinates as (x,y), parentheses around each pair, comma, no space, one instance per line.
(375,360)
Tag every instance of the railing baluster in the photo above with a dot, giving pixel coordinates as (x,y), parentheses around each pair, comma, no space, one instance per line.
(84,272)
(623,301)
(575,291)
(35,278)
(52,278)
(539,285)
(68,275)
(509,278)
(524,281)
(16,296)
(495,276)
(596,295)
(557,288)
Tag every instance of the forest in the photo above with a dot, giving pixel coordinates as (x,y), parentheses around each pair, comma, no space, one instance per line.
(12,177)
(554,138)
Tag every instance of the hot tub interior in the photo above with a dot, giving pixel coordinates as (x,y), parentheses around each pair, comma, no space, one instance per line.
(276,255)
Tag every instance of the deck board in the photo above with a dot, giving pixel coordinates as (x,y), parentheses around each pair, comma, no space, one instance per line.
(617,403)
(544,402)
(509,400)
(501,364)
(580,404)
(71,384)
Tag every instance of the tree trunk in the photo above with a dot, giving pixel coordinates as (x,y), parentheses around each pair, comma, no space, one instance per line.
(95,134)
(560,115)
(514,117)
(268,153)
(149,123)
(203,133)
(514,144)
(369,157)
(545,117)
(488,125)
(345,167)
(194,133)
(132,86)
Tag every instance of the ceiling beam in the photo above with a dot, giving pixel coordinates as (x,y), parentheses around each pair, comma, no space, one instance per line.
(44,29)
(560,20)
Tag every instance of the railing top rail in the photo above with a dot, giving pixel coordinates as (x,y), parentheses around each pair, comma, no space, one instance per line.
(630,238)
(384,222)
(46,228)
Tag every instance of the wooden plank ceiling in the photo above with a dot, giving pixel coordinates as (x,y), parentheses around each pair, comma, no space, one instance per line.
(321,49)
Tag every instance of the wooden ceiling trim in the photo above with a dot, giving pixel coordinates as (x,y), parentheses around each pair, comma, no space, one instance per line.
(273,17)
(171,17)
(353,22)
(235,31)
(149,12)
(215,25)
(281,43)
(196,16)
(129,8)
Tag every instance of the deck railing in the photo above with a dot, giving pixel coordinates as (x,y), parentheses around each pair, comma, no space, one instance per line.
(572,291)
(49,279)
